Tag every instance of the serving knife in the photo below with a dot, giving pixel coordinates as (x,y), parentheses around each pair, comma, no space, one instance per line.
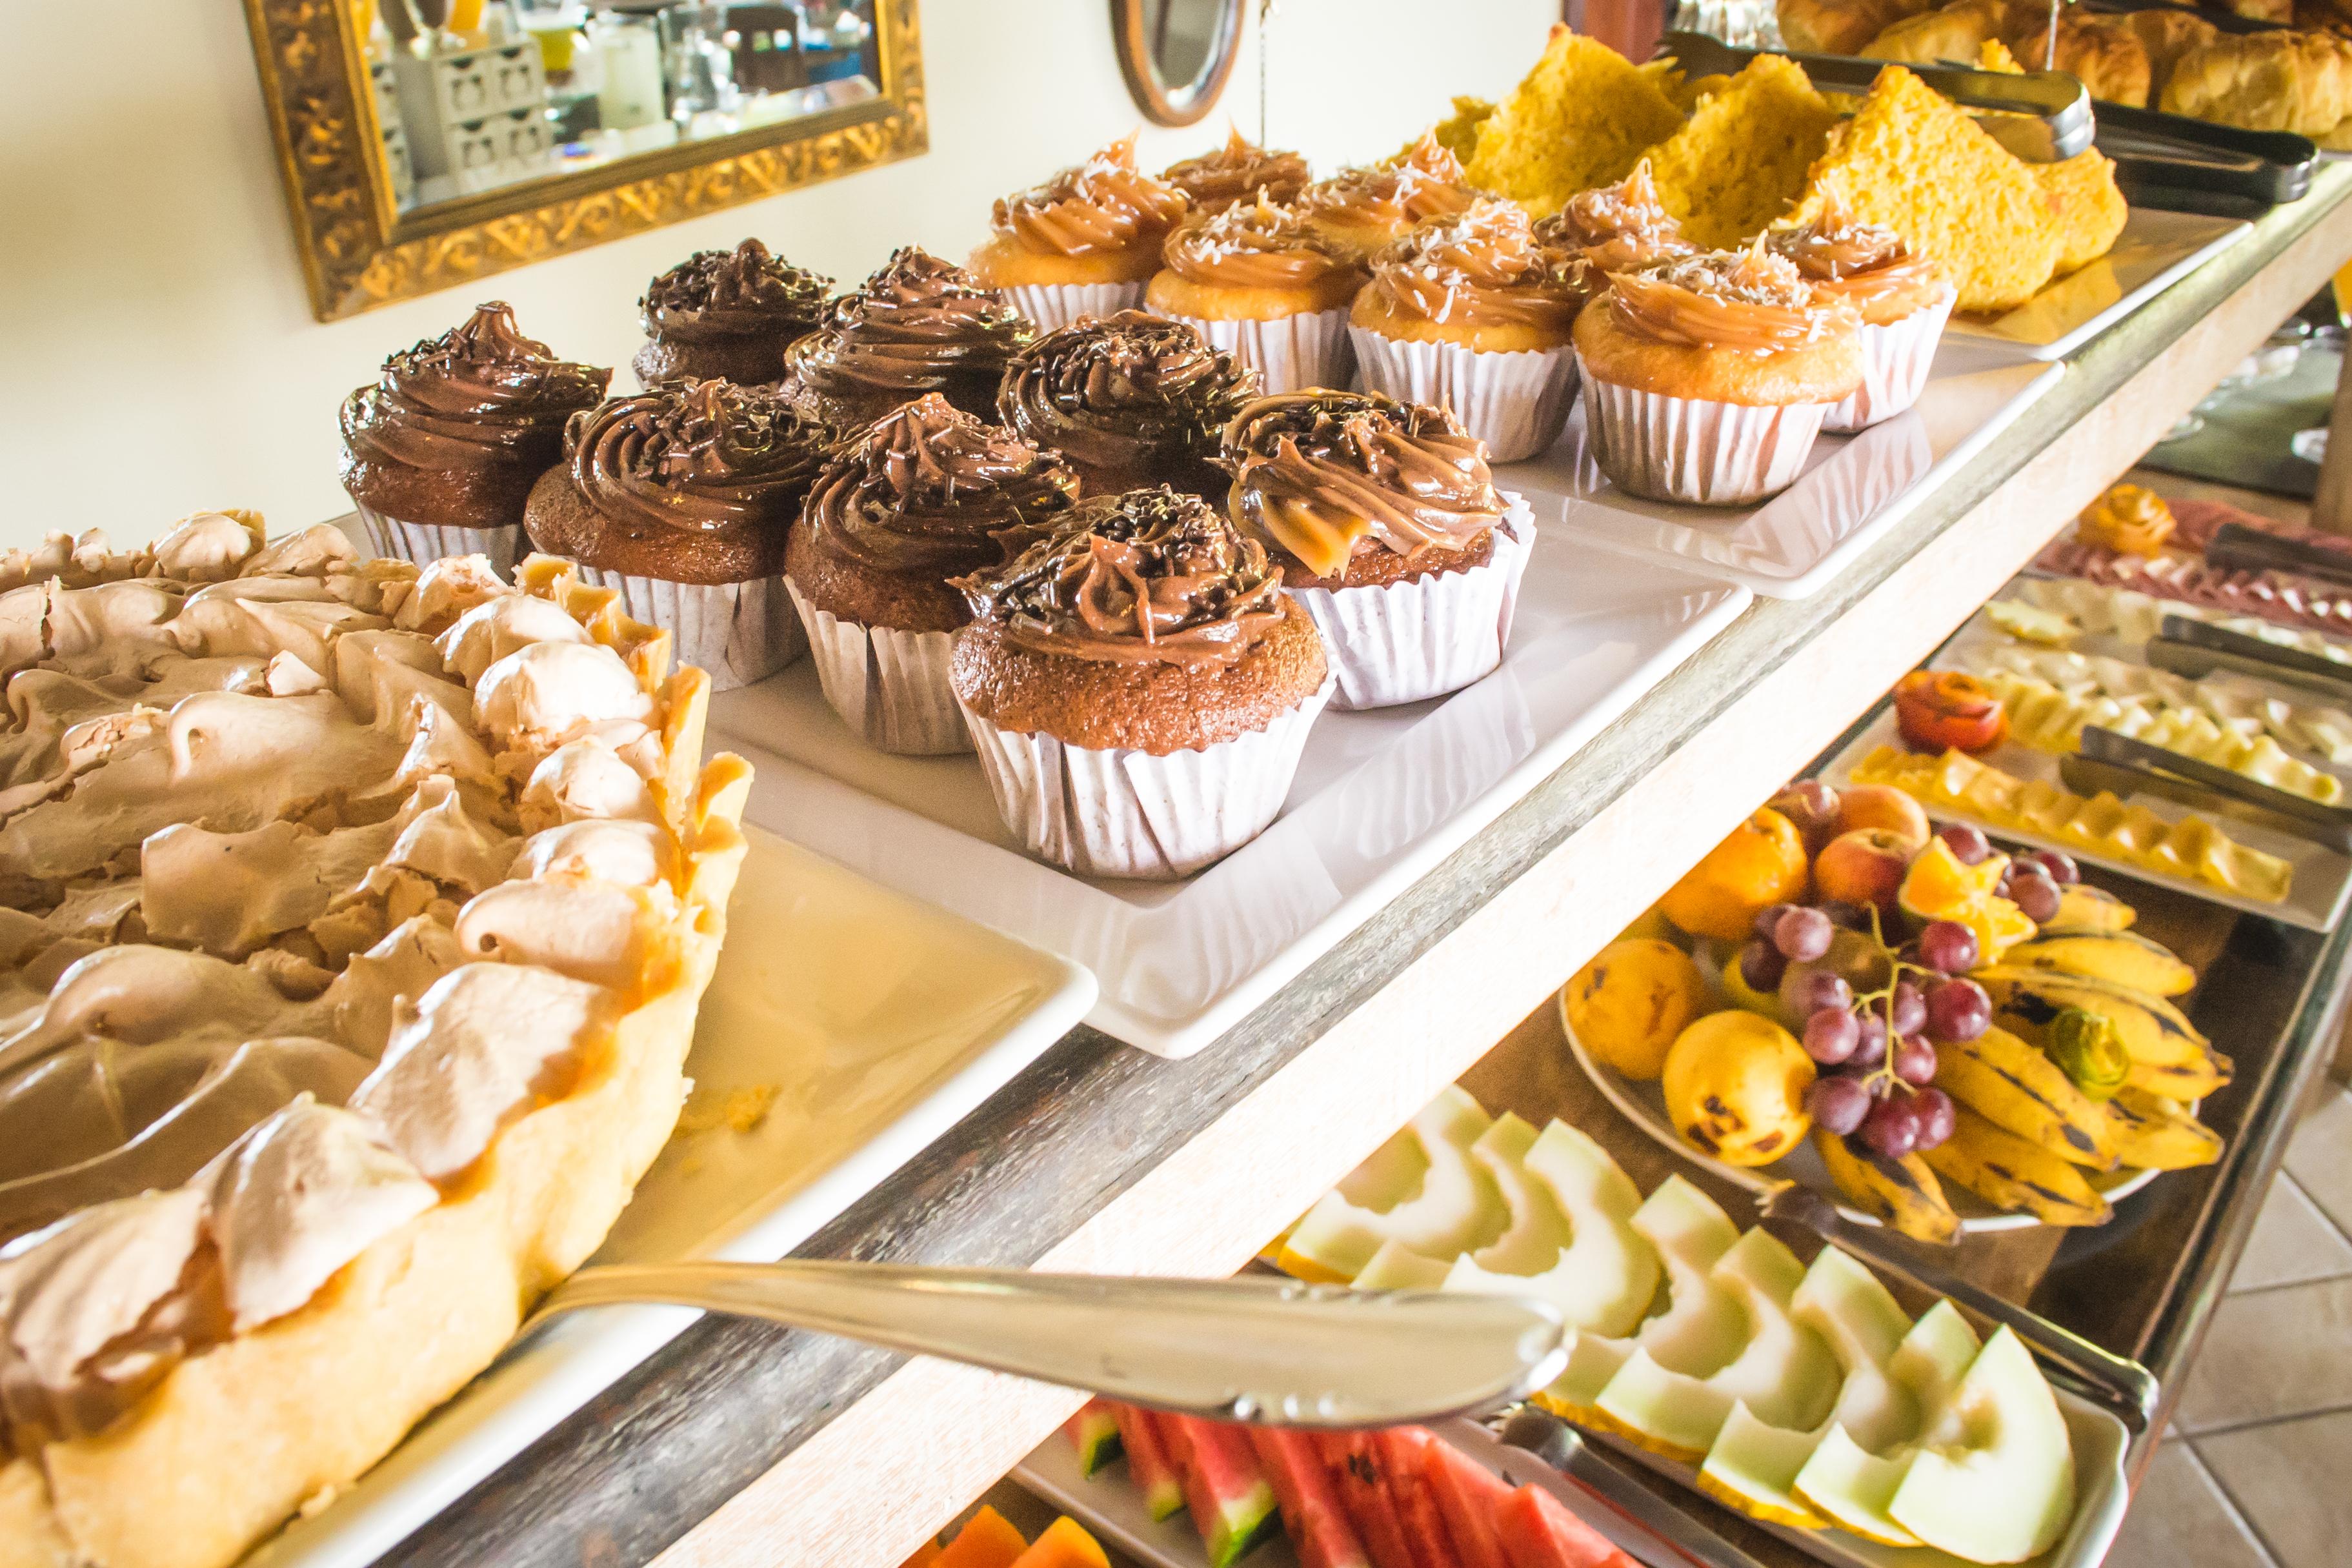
(2237,548)
(2124,766)
(2196,648)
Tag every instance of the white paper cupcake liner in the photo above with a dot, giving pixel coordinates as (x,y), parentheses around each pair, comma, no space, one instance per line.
(1400,642)
(1288,352)
(1895,359)
(1515,403)
(426,543)
(1690,449)
(736,632)
(890,686)
(1126,813)
(1052,305)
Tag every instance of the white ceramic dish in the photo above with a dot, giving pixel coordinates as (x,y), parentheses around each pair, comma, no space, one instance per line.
(877,1022)
(1380,798)
(2156,250)
(1853,488)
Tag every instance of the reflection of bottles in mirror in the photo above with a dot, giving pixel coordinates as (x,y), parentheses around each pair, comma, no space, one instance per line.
(702,85)
(628,52)
(554,26)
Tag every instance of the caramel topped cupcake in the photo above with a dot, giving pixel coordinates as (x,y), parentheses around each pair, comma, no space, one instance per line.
(917,325)
(1365,208)
(1618,228)
(1263,282)
(1129,400)
(1902,299)
(453,434)
(1240,171)
(727,315)
(1083,242)
(1751,303)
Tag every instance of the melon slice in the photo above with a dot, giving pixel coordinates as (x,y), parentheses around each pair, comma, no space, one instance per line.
(1845,1303)
(1312,1515)
(1993,1480)
(1588,1261)
(1148,1463)
(1094,1433)
(1396,1266)
(1702,1327)
(1421,1188)
(1538,1532)
(1231,1500)
(1753,1466)
(1472,1498)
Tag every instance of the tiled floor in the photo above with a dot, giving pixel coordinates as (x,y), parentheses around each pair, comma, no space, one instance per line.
(2258,1472)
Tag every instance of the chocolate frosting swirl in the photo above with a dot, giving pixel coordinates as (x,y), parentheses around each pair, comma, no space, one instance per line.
(698,459)
(742,293)
(1749,301)
(1847,259)
(1124,391)
(1103,204)
(1237,172)
(919,325)
(1318,471)
(1484,267)
(1254,245)
(1426,183)
(476,397)
(928,489)
(1618,228)
(1149,575)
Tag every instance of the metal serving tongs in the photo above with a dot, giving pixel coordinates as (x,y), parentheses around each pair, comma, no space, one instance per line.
(2196,649)
(2041,116)
(2112,1382)
(1232,1350)
(2125,766)
(2237,548)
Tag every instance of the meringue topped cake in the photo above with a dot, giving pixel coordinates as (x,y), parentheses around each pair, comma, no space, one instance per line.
(353,921)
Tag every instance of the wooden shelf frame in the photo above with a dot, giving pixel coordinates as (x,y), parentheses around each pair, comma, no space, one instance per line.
(742,1445)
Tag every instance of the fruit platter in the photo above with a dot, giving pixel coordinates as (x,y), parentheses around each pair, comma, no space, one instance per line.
(1799,1393)
(1946,1038)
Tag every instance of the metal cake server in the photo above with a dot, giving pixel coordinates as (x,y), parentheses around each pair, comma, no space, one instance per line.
(1232,1350)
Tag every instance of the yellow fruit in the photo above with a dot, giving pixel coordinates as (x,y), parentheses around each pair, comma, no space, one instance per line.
(1628,1004)
(1759,863)
(2153,1030)
(1903,1192)
(1650,924)
(2009,1173)
(2120,958)
(1742,995)
(1735,1084)
(1937,886)
(2153,1133)
(2016,1088)
(2084,908)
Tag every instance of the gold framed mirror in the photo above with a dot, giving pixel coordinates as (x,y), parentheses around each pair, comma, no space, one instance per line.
(1176,55)
(427,143)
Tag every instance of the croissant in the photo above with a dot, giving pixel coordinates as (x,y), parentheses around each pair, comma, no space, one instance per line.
(2254,10)
(1839,26)
(1955,32)
(2265,81)
(2167,35)
(2103,53)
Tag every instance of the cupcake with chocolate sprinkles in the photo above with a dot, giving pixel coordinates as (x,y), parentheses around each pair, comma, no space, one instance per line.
(924,494)
(1387,528)
(681,498)
(917,325)
(1129,400)
(728,315)
(1139,687)
(441,452)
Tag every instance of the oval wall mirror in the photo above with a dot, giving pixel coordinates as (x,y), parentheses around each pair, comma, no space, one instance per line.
(1176,54)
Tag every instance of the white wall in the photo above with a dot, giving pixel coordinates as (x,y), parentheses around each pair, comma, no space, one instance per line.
(157,352)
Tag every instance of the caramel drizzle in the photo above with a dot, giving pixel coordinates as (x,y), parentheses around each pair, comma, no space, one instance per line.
(1618,228)
(1237,172)
(1484,267)
(1103,204)
(1426,183)
(1848,259)
(1259,245)
(1748,302)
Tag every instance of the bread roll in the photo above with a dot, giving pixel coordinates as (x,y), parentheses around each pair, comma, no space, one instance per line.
(1839,26)
(2265,81)
(2167,35)
(1956,32)
(2256,10)
(2103,53)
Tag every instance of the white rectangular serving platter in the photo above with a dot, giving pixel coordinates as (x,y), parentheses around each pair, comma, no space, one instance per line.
(877,1021)
(1852,490)
(2156,250)
(1378,799)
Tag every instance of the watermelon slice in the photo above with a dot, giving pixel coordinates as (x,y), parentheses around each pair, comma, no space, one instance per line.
(1354,1463)
(1407,1480)
(1147,1462)
(1539,1533)
(1471,1497)
(1094,1433)
(1232,1502)
(1312,1515)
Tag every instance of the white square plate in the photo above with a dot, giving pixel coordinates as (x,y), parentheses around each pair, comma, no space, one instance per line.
(2154,250)
(1379,797)
(875,1020)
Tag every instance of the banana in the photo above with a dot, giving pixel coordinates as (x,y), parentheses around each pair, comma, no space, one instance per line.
(2083,908)
(2120,958)
(2009,1173)
(2152,1029)
(1903,1192)
(2183,1081)
(2019,1090)
(2153,1133)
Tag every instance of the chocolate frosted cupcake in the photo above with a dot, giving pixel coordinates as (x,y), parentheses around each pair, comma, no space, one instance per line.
(919,325)
(925,493)
(1615,228)
(1903,298)
(1129,400)
(441,453)
(681,498)
(1386,526)
(1240,171)
(727,315)
(1138,688)
(1082,243)
(1363,210)
(1473,313)
(1264,285)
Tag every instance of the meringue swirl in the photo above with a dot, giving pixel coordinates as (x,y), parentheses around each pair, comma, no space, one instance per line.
(735,293)
(919,325)
(1482,268)
(1848,259)
(1237,172)
(1746,301)
(1254,245)
(928,489)
(479,396)
(1149,575)
(1124,391)
(1104,203)
(1618,228)
(1316,472)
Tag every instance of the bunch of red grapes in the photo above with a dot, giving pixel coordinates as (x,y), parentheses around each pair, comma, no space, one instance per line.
(2032,878)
